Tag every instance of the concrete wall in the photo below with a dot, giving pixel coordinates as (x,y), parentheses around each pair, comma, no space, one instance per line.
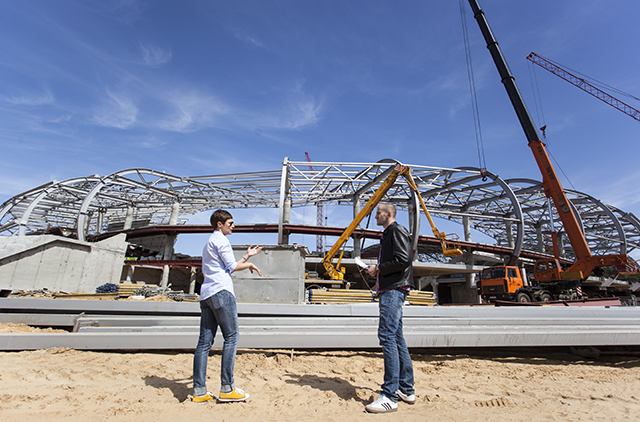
(60,264)
(282,278)
(467,295)
(141,274)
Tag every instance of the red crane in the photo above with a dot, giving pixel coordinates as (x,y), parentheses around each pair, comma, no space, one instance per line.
(584,85)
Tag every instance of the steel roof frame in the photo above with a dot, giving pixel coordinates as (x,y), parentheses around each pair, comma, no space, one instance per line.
(498,208)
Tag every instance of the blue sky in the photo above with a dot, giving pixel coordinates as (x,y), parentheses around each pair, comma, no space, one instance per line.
(212,87)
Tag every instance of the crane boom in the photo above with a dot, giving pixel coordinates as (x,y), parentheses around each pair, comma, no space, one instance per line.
(584,85)
(552,186)
(585,262)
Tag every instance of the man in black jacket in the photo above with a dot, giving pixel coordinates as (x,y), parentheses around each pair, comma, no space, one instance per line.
(394,279)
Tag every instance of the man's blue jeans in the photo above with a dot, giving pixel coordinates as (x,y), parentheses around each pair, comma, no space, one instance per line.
(398,370)
(218,310)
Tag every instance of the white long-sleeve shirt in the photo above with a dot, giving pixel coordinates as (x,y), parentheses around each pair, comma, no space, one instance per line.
(218,262)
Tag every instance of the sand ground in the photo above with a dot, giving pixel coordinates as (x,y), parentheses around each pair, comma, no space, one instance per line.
(292,385)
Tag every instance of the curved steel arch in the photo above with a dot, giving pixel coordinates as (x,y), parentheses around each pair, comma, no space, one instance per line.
(123,193)
(50,204)
(602,228)
(492,206)
(631,227)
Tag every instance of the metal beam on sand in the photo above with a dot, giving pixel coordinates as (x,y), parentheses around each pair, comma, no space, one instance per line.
(120,325)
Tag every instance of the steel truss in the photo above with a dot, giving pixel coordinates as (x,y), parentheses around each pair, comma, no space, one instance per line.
(514,212)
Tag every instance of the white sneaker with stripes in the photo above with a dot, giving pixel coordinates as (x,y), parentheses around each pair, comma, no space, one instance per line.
(407,398)
(382,404)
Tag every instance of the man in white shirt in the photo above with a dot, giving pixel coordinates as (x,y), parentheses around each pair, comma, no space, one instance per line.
(218,309)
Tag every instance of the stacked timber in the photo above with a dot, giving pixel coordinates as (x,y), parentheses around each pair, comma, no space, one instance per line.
(105,291)
(126,290)
(415,297)
(74,295)
(340,296)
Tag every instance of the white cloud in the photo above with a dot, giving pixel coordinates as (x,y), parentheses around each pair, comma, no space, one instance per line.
(192,111)
(11,183)
(300,110)
(250,40)
(118,111)
(155,56)
(305,215)
(31,100)
(61,119)
(127,11)
(213,163)
(621,192)
(151,142)
(304,112)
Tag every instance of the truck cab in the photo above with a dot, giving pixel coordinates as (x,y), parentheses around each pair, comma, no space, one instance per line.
(500,282)
(547,270)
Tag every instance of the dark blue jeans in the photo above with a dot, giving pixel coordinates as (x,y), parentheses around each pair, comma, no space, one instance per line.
(217,311)
(398,370)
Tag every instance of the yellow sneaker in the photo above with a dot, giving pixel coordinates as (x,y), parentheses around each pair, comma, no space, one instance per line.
(202,399)
(234,395)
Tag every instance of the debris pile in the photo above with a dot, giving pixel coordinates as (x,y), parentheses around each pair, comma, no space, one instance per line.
(32,293)
(112,291)
(151,291)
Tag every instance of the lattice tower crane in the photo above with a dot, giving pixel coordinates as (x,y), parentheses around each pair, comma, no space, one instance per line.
(584,85)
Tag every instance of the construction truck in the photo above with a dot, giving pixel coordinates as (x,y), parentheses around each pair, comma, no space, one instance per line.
(336,271)
(511,283)
(550,279)
(506,282)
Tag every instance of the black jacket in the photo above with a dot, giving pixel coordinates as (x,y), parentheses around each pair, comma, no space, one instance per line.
(395,266)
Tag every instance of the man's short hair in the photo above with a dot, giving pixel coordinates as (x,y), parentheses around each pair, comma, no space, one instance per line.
(221,216)
(389,208)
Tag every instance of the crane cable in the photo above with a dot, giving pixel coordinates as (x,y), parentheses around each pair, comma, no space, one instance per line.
(537,99)
(474,99)
(540,112)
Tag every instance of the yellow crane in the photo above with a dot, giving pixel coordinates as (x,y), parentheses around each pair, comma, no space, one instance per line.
(336,272)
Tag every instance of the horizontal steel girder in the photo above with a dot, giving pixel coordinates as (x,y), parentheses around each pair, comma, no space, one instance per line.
(112,326)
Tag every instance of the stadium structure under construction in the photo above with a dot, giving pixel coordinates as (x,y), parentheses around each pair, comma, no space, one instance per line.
(151,208)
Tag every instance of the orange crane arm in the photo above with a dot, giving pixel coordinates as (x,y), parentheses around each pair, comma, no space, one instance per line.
(585,262)
(552,186)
